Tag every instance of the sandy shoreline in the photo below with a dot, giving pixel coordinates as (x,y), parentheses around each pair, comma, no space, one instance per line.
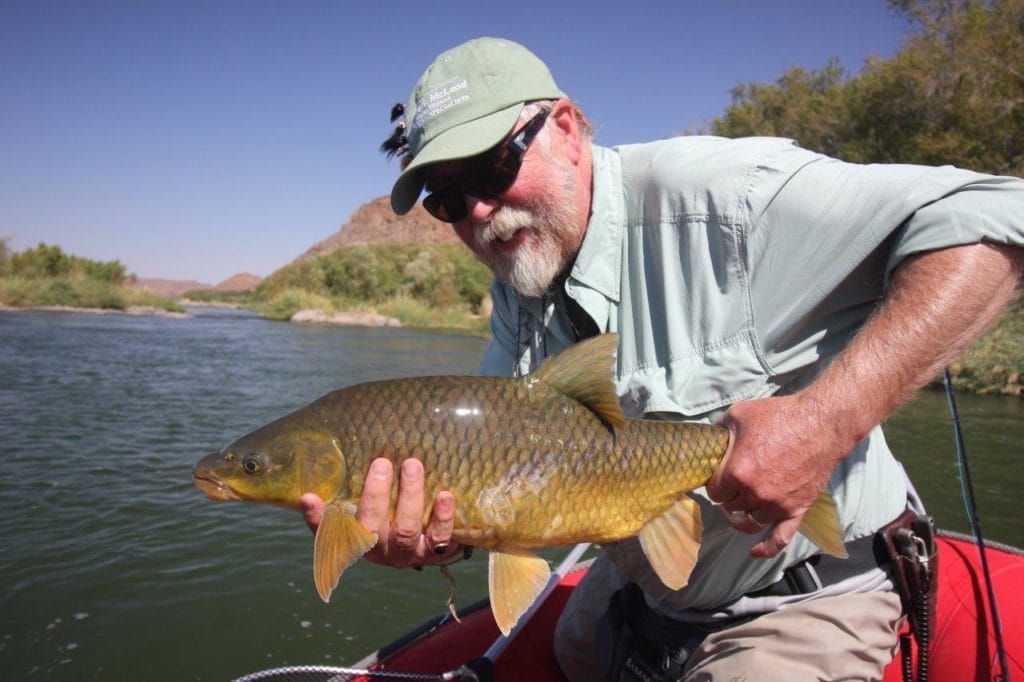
(316,315)
(302,317)
(130,310)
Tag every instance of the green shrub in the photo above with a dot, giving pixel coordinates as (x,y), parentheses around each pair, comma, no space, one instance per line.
(288,302)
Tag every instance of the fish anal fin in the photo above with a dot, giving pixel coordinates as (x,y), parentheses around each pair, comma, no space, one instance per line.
(821,526)
(671,542)
(340,540)
(585,373)
(515,579)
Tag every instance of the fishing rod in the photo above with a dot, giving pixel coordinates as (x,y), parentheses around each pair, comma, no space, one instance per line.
(967,491)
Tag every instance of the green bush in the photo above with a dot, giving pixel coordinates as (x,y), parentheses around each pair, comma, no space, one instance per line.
(288,302)
(46,261)
(46,276)
(436,275)
(216,296)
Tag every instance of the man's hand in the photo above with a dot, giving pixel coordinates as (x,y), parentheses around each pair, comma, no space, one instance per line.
(402,540)
(781,457)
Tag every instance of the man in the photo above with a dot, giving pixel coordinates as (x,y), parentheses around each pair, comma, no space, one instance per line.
(797,299)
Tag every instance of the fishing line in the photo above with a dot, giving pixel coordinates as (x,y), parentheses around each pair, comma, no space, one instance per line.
(970,504)
(338,674)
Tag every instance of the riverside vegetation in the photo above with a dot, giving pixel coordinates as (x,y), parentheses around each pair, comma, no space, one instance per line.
(433,286)
(423,285)
(45,276)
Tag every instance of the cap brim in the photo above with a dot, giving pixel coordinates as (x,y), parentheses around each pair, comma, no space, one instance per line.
(468,139)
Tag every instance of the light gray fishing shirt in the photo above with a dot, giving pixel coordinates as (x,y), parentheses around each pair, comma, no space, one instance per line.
(735,269)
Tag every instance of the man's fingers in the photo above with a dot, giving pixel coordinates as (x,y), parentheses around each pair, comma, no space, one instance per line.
(781,536)
(408,524)
(312,510)
(402,538)
(743,521)
(442,522)
(372,512)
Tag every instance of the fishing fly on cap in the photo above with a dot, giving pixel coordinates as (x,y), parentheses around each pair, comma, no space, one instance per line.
(397,143)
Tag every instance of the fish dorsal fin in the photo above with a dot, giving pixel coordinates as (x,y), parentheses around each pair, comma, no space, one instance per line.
(671,542)
(340,540)
(821,526)
(585,373)
(515,580)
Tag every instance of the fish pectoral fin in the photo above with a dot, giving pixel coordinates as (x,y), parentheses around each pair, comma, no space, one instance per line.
(515,580)
(340,540)
(671,542)
(821,526)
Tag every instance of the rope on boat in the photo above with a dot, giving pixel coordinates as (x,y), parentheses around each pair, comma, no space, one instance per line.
(338,674)
(967,488)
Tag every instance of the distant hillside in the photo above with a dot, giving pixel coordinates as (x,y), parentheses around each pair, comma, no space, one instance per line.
(242,281)
(171,288)
(374,222)
(175,288)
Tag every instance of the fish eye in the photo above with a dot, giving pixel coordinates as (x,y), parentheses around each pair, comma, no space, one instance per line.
(252,464)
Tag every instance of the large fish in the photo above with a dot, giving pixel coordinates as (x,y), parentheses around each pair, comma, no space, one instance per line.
(546,459)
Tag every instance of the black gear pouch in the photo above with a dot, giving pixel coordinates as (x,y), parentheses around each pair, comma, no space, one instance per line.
(637,644)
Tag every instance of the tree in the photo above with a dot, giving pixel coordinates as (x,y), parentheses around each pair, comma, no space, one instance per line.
(953,94)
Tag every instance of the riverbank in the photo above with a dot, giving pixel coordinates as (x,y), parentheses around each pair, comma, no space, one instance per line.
(994,365)
(130,310)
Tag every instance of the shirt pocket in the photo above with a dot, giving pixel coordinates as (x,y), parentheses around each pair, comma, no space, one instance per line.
(697,381)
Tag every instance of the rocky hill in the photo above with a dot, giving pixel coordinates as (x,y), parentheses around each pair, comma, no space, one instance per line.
(169,288)
(174,288)
(243,281)
(375,222)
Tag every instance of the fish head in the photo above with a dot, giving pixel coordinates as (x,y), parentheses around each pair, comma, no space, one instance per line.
(276,463)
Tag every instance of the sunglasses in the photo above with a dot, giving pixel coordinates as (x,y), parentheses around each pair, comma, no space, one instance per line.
(485,175)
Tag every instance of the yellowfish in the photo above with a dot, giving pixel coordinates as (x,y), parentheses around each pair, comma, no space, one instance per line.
(536,461)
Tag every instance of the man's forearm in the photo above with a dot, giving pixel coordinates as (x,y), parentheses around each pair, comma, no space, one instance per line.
(937,305)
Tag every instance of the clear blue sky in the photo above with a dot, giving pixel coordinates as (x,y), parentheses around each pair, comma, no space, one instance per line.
(194,140)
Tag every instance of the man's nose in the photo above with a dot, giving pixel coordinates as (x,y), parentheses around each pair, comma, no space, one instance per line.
(479,210)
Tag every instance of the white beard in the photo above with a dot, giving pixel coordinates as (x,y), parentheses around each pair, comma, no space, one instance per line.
(552,240)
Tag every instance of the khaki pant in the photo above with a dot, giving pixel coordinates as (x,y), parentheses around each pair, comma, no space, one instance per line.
(846,637)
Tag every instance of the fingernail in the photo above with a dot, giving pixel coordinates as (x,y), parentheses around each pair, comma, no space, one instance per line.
(379,467)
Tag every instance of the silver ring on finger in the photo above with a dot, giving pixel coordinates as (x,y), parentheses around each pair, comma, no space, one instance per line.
(750,518)
(738,517)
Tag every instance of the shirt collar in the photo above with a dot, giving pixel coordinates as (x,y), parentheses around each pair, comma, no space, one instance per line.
(600,257)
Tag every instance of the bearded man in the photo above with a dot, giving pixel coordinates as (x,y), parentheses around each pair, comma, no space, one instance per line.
(794,298)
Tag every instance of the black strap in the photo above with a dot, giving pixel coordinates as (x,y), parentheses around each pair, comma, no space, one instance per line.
(820,570)
(583,326)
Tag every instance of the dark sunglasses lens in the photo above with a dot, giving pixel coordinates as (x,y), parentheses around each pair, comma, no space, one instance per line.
(447,206)
(491,174)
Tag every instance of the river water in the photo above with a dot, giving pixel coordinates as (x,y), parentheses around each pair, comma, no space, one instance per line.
(113,566)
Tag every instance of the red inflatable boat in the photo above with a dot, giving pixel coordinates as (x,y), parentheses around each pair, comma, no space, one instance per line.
(963,646)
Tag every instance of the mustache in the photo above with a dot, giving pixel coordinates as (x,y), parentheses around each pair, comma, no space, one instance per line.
(504,224)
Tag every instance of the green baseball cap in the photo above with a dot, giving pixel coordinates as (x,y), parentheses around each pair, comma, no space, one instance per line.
(465,103)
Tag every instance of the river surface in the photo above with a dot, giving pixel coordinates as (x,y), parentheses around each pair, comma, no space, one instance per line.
(113,566)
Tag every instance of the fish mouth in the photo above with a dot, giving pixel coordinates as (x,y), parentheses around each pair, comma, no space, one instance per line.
(214,488)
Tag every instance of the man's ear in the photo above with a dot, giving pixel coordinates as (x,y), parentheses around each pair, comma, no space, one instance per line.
(563,113)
